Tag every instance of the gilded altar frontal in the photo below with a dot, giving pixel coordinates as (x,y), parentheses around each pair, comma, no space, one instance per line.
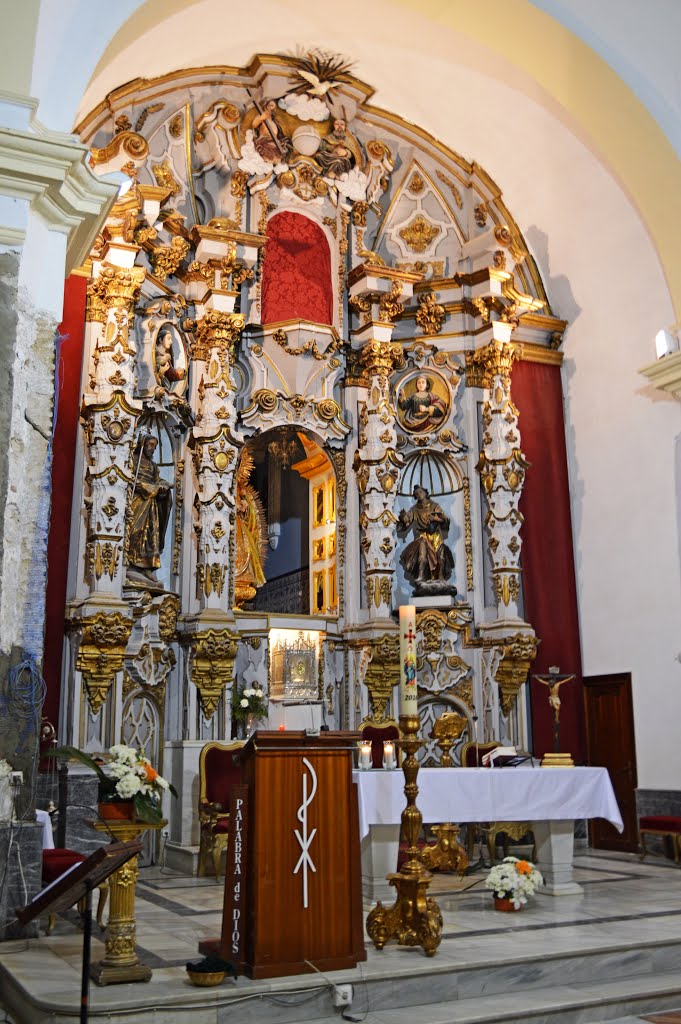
(304,321)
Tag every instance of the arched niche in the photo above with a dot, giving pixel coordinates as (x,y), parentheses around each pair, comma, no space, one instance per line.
(296,282)
(165,455)
(293,480)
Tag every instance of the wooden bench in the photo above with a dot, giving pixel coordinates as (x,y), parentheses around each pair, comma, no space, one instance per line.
(662,825)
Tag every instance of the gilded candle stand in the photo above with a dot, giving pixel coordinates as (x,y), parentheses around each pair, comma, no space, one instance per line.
(415,918)
(120,962)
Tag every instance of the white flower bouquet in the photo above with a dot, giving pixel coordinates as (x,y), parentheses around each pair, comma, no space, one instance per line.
(514,880)
(125,774)
(249,702)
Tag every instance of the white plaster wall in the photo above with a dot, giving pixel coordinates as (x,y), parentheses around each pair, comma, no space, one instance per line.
(601,273)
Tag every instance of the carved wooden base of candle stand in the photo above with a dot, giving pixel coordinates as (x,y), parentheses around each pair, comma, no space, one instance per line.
(415,918)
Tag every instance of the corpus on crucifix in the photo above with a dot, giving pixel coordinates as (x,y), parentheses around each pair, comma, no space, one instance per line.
(554,680)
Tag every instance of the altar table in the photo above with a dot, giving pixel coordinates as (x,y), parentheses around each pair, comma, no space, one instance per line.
(550,798)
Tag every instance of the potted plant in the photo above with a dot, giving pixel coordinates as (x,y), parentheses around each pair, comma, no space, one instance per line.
(128,785)
(512,882)
(249,705)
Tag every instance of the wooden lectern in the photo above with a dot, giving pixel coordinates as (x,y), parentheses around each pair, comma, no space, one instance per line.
(303,873)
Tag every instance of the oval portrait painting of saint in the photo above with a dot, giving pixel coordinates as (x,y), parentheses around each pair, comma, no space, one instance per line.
(423,401)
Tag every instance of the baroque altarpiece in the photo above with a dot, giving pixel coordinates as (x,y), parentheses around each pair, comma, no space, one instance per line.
(302,318)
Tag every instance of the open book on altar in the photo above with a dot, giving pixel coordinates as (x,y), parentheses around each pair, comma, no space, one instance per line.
(504,757)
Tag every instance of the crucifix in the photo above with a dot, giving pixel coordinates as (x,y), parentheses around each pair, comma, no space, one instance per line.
(554,680)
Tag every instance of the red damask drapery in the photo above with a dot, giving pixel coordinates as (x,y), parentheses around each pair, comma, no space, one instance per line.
(67,370)
(296,281)
(549,585)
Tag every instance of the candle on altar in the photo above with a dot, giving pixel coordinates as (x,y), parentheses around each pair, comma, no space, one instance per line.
(408,691)
(365,756)
(388,755)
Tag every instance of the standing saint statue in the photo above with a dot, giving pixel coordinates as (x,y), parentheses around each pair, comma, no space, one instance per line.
(427,560)
(149,511)
(251,536)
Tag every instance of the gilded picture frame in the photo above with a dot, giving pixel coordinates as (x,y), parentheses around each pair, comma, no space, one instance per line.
(318,505)
(319,592)
(423,401)
(319,549)
(331,501)
(332,589)
(332,545)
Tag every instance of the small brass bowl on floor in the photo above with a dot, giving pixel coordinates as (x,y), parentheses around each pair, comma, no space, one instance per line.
(206,979)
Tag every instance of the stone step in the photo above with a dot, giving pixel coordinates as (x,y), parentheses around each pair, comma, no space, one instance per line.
(594,1003)
(536,968)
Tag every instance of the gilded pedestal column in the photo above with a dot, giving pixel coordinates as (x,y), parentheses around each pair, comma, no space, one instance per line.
(375,294)
(502,468)
(121,963)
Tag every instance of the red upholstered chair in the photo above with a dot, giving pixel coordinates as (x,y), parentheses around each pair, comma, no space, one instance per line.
(376,733)
(55,863)
(217,774)
(666,827)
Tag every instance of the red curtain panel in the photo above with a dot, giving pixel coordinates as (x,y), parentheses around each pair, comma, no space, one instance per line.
(547,555)
(296,282)
(67,370)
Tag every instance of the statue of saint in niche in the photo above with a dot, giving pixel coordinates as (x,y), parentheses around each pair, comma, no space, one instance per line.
(166,370)
(420,408)
(251,536)
(427,560)
(149,512)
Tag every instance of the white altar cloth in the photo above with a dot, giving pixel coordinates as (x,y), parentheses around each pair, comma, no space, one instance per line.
(549,798)
(489,794)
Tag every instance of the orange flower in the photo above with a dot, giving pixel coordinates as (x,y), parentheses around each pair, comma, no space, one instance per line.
(150,773)
(523,868)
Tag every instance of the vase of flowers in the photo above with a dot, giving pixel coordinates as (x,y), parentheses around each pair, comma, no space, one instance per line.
(512,882)
(248,707)
(129,787)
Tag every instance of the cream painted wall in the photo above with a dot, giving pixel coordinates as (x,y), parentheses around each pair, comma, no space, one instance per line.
(601,271)
(640,41)
(17,42)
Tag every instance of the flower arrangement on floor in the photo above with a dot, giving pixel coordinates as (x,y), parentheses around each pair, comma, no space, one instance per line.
(125,774)
(249,703)
(514,880)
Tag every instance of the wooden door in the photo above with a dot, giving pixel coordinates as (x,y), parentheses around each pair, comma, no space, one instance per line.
(610,743)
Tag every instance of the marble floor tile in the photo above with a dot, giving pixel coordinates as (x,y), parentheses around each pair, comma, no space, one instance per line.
(602,952)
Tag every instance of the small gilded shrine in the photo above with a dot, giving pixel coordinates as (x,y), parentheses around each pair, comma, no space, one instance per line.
(297,415)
